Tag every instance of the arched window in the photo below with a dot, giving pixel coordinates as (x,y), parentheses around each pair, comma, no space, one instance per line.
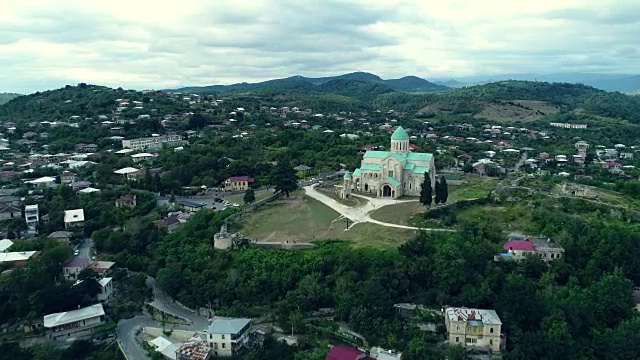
(491,330)
(409,186)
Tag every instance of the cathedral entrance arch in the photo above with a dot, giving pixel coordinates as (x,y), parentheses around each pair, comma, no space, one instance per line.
(386,191)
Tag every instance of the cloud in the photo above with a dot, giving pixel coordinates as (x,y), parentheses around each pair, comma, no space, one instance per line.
(145,44)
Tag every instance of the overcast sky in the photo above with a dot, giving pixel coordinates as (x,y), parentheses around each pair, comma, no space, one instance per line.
(161,44)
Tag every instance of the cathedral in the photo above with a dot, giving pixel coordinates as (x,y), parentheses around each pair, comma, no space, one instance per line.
(391,174)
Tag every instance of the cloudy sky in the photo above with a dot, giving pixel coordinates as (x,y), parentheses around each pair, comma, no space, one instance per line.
(160,44)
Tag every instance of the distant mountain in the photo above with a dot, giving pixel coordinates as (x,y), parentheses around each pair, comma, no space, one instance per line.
(625,84)
(6,97)
(405,84)
(450,83)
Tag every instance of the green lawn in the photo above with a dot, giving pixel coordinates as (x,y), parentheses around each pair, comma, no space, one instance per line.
(239,198)
(510,218)
(302,218)
(473,187)
(399,213)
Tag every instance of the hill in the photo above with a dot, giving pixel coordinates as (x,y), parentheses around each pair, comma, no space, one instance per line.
(405,84)
(6,97)
(518,100)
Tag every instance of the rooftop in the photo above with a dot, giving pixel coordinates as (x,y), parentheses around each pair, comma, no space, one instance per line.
(240,178)
(488,317)
(16,256)
(75,215)
(5,244)
(62,318)
(228,326)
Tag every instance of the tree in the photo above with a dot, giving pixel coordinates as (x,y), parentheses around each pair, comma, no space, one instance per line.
(283,177)
(426,193)
(444,190)
(438,191)
(249,196)
(157,183)
(172,199)
(148,180)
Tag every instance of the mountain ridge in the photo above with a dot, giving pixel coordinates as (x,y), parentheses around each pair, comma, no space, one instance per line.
(412,84)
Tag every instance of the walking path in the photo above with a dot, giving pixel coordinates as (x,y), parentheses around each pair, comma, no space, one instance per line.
(361,213)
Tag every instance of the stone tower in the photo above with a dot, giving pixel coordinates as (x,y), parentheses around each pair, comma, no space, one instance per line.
(400,140)
(346,186)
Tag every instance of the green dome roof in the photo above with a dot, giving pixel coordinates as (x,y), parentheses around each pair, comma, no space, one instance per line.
(400,134)
(347,175)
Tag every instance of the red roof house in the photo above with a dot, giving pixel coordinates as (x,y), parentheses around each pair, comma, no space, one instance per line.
(240,178)
(341,352)
(519,245)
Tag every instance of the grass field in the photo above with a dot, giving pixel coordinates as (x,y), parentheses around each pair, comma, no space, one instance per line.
(260,194)
(473,187)
(402,213)
(334,194)
(304,219)
(510,218)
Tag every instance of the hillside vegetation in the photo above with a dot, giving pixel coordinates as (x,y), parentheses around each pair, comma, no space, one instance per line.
(6,97)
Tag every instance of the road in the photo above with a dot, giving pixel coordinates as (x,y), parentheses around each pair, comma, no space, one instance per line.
(164,303)
(126,332)
(127,328)
(85,248)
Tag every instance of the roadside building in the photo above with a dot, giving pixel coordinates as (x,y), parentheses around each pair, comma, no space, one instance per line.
(238,183)
(73,218)
(476,328)
(228,337)
(75,324)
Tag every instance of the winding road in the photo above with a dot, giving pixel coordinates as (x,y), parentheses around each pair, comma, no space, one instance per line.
(361,213)
(128,328)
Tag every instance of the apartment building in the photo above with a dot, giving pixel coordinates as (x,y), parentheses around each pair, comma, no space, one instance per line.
(154,142)
(476,328)
(74,324)
(32,217)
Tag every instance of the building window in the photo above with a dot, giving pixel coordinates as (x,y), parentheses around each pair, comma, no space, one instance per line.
(222,336)
(491,330)
(390,173)
(409,186)
(223,345)
(490,341)
(552,256)
(458,327)
(457,339)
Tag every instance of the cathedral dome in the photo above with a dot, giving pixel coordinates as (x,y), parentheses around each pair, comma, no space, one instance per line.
(400,134)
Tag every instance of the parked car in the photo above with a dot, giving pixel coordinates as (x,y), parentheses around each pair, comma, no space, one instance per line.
(76,252)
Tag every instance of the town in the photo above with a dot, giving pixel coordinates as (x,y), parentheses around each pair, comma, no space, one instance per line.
(192,226)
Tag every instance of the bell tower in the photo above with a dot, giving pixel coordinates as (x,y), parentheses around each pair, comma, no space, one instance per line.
(399,140)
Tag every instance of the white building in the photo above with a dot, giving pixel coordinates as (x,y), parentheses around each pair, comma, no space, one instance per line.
(154,142)
(106,290)
(32,217)
(5,244)
(227,336)
(73,218)
(142,157)
(473,328)
(43,181)
(74,324)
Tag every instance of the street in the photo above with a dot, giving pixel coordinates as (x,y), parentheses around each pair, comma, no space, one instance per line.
(126,332)
(164,302)
(85,248)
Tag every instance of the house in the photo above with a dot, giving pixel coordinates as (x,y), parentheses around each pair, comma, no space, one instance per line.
(61,236)
(481,166)
(106,290)
(476,328)
(45,181)
(5,244)
(190,205)
(194,349)
(102,268)
(17,258)
(237,183)
(142,157)
(74,324)
(80,185)
(341,352)
(73,267)
(227,337)
(518,247)
(67,177)
(73,218)
(165,346)
(8,211)
(170,223)
(32,217)
(126,201)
